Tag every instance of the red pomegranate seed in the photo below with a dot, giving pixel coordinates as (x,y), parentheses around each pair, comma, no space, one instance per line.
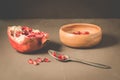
(39,35)
(30,35)
(54,54)
(25,32)
(39,60)
(86,32)
(65,58)
(18,33)
(60,57)
(77,32)
(30,29)
(35,62)
(24,27)
(46,60)
(30,61)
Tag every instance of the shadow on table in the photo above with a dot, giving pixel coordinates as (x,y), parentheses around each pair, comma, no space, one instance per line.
(107,41)
(48,45)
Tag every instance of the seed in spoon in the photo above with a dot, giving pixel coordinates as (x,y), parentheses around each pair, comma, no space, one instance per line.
(59,56)
(54,54)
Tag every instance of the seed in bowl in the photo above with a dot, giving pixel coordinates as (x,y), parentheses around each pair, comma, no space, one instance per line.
(80,32)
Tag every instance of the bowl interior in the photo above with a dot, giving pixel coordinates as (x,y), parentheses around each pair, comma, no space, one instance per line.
(81,27)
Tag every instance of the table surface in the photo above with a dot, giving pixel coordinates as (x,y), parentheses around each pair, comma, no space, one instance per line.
(14,65)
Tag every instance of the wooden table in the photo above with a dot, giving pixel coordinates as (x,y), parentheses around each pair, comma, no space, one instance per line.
(14,65)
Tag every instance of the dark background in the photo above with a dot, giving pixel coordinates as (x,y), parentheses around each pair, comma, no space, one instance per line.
(59,9)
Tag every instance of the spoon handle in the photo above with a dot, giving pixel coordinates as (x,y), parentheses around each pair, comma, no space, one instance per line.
(91,63)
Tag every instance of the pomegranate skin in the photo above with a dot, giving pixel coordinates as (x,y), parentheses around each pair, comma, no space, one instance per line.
(28,44)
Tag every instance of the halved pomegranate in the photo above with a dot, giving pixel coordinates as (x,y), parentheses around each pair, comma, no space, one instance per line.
(26,39)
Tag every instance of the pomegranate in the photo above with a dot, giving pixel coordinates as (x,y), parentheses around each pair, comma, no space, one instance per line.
(25,39)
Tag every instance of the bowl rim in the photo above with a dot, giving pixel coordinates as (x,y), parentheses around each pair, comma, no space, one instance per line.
(72,24)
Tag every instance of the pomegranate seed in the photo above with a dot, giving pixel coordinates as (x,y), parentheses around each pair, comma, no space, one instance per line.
(25,32)
(30,35)
(77,32)
(39,60)
(46,60)
(30,61)
(86,32)
(35,34)
(35,62)
(74,32)
(39,35)
(65,58)
(30,29)
(61,57)
(24,27)
(54,54)
(18,33)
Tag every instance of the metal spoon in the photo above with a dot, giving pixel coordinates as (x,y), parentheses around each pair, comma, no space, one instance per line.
(67,58)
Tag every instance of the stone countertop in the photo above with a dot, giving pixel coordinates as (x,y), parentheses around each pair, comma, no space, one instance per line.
(14,66)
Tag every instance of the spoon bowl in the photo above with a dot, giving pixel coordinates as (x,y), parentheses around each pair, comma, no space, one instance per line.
(58,56)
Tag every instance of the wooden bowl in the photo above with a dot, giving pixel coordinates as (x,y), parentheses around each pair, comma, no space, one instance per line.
(80,35)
